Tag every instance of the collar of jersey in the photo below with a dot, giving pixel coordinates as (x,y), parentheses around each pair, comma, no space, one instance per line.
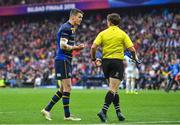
(112,26)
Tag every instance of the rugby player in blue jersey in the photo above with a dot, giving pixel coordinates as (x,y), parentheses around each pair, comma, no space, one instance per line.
(63,67)
(173,73)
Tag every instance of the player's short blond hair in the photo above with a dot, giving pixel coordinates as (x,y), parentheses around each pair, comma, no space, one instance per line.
(75,11)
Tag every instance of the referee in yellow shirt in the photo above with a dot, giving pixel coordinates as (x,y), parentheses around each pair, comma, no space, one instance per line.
(113,41)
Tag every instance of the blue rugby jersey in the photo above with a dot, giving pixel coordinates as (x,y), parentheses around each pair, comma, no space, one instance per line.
(65,31)
(174,68)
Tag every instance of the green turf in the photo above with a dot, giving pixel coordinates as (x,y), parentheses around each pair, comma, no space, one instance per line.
(22,106)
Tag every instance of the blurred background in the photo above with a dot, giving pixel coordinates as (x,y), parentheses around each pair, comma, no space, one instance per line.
(28,40)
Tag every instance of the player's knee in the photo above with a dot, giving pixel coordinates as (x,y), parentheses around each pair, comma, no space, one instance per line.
(67,88)
(114,87)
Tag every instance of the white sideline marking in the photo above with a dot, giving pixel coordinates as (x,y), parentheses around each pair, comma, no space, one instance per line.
(156,122)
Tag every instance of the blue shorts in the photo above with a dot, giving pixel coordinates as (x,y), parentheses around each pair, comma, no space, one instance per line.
(63,69)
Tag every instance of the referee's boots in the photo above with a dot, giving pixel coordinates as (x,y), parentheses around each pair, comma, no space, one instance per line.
(120,116)
(102,116)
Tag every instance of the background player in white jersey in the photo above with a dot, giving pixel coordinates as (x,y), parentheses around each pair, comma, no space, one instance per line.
(131,74)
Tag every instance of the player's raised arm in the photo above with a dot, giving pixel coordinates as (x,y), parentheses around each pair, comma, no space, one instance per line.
(65,46)
(78,47)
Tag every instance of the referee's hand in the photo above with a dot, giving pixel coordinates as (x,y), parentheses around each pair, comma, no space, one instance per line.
(97,61)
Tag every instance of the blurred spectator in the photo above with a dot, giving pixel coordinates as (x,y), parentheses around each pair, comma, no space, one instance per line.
(2,81)
(37,81)
(20,2)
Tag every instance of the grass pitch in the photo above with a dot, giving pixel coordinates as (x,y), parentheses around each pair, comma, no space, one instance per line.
(23,106)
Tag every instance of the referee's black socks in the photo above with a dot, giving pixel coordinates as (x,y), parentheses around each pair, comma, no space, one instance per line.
(116,102)
(108,100)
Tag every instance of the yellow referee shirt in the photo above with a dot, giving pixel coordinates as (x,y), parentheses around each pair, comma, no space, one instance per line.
(113,42)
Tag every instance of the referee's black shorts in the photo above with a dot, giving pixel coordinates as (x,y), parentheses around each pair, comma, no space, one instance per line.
(113,68)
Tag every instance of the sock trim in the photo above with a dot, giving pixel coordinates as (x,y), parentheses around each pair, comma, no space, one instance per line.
(57,95)
(53,101)
(66,105)
(105,108)
(65,96)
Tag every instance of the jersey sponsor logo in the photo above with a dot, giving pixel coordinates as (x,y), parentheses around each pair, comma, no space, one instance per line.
(73,30)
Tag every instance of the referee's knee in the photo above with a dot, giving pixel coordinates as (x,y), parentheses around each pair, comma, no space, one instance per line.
(114,90)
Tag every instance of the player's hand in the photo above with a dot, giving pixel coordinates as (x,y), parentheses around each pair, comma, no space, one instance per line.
(79,47)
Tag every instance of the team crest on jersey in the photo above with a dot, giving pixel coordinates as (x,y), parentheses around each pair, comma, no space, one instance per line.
(73,30)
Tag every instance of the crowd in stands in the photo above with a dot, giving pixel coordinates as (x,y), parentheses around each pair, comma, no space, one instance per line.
(22,2)
(27,48)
